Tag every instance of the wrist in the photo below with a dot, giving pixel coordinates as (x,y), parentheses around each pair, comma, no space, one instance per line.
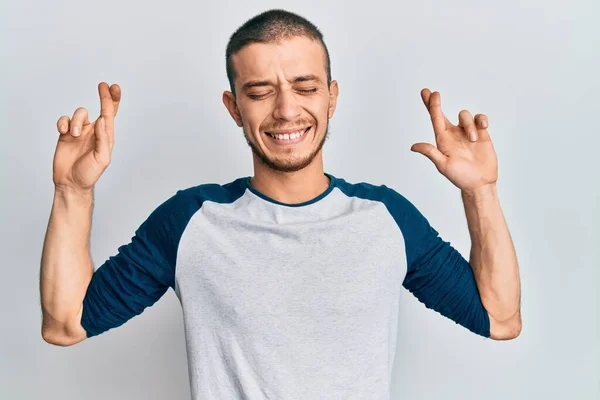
(71,195)
(484,192)
(71,191)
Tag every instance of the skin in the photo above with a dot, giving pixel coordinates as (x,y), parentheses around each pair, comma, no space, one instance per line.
(84,148)
(465,155)
(83,152)
(292,93)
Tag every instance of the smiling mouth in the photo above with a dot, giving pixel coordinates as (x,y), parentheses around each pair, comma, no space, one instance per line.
(291,136)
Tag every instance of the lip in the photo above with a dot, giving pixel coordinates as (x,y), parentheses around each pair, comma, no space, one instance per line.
(284,131)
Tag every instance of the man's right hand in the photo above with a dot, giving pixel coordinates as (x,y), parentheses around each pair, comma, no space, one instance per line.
(84,148)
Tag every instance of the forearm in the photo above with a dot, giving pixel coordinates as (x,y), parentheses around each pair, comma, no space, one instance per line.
(66,265)
(493,257)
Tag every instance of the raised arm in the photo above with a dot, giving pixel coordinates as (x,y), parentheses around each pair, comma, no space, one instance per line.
(82,154)
(465,155)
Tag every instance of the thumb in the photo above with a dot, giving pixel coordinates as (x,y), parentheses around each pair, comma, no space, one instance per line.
(431,152)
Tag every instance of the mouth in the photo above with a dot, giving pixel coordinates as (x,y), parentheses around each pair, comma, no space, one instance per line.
(288,137)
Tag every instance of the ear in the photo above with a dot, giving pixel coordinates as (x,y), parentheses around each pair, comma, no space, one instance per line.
(231,105)
(333,95)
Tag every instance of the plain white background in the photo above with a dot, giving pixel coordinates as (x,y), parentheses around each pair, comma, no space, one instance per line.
(531,66)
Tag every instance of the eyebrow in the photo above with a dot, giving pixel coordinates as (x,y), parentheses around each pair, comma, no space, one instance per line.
(297,79)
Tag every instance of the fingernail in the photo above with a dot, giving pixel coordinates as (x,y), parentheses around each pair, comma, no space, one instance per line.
(63,128)
(484,124)
(75,131)
(473,136)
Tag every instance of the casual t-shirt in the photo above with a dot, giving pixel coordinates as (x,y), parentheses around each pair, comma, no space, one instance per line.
(286,301)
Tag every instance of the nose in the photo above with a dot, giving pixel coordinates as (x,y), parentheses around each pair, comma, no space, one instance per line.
(287,107)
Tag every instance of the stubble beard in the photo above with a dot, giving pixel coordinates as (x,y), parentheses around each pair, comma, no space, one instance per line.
(287,165)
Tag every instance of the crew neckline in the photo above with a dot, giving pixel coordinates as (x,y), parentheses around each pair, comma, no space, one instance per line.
(305,203)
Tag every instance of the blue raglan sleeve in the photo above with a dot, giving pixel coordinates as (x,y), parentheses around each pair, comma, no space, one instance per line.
(139,274)
(437,274)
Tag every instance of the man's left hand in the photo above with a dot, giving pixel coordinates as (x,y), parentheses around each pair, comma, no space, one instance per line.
(464,153)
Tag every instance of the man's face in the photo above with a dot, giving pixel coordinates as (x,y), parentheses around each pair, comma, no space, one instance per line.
(283,103)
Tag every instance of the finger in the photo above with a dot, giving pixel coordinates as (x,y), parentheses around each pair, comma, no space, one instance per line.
(465,121)
(431,152)
(435,111)
(102,149)
(425,96)
(80,117)
(482,121)
(107,108)
(63,124)
(115,93)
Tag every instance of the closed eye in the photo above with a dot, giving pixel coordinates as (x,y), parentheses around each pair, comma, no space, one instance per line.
(257,96)
(313,90)
(261,96)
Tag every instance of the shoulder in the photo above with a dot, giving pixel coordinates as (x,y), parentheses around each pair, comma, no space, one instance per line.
(216,192)
(393,200)
(176,210)
(192,197)
(407,215)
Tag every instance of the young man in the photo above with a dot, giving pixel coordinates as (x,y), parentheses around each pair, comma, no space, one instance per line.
(288,279)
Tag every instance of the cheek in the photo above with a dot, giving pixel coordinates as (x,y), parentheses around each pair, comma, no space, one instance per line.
(319,114)
(322,108)
(253,117)
(314,106)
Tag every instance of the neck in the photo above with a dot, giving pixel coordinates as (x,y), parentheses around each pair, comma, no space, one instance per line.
(290,187)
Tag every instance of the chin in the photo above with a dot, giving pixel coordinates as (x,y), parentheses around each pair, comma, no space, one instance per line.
(289,159)
(280,165)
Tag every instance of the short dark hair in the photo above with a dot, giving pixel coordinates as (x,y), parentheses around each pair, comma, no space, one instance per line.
(272,26)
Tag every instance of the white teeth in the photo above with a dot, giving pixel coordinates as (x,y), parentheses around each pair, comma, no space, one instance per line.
(288,136)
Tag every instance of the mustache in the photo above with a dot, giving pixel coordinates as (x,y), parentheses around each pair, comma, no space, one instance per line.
(302,123)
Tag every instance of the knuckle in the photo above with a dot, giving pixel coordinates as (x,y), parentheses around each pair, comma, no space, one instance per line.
(80,114)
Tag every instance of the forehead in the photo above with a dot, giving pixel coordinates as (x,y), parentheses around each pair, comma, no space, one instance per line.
(287,58)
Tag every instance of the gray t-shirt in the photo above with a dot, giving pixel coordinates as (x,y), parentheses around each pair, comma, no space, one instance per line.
(286,301)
